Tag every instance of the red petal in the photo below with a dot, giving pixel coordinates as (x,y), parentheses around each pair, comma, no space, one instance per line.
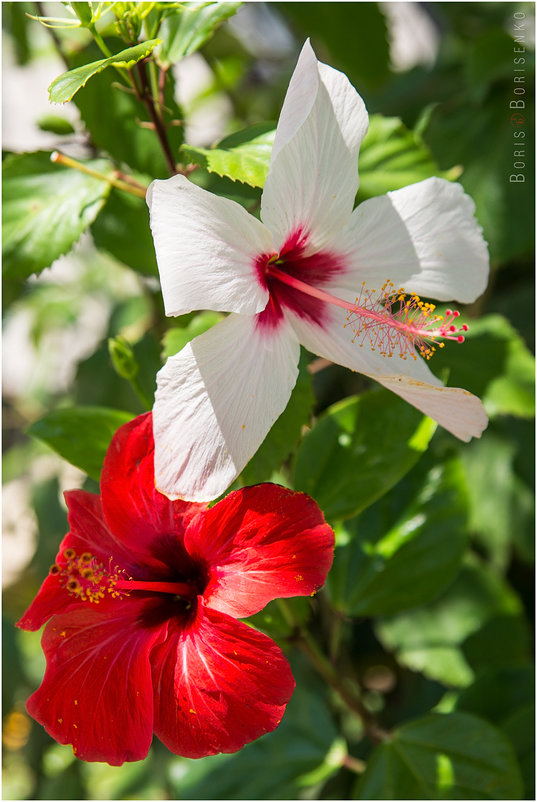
(218,686)
(89,533)
(137,514)
(97,693)
(261,543)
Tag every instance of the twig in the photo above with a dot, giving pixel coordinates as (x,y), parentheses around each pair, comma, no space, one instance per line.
(61,158)
(330,674)
(144,94)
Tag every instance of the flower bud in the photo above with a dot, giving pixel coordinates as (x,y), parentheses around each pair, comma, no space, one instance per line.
(122,357)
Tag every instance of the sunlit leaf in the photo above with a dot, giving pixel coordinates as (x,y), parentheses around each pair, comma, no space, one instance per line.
(123,132)
(66,85)
(46,207)
(187,30)
(243,156)
(176,338)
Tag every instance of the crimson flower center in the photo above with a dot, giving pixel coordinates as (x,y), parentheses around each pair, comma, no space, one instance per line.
(390,321)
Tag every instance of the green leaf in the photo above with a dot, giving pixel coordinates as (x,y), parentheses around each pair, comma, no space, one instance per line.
(243,156)
(519,727)
(285,434)
(496,694)
(486,149)
(405,549)
(46,207)
(303,751)
(273,620)
(392,157)
(113,230)
(55,124)
(66,85)
(495,364)
(81,435)
(15,22)
(453,756)
(186,31)
(505,696)
(358,450)
(493,489)
(431,639)
(503,641)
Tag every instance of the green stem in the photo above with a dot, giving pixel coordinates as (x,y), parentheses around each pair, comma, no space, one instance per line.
(99,41)
(61,158)
(310,648)
(140,392)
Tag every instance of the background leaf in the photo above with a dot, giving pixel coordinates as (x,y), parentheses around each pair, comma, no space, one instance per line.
(355,37)
(113,232)
(406,548)
(358,450)
(454,756)
(46,207)
(81,435)
(430,639)
(391,157)
(496,364)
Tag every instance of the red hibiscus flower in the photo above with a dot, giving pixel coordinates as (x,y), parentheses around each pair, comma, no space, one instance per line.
(142,603)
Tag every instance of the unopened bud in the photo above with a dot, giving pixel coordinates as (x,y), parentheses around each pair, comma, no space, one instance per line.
(122,357)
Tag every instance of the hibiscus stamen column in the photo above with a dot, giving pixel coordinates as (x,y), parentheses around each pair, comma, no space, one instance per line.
(391,321)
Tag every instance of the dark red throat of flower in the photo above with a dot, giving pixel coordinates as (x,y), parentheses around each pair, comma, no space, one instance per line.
(85,578)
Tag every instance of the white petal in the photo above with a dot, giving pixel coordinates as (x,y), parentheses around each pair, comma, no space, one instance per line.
(206,248)
(458,411)
(424,238)
(313,174)
(216,401)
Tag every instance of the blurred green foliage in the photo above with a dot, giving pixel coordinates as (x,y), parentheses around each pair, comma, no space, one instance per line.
(427,609)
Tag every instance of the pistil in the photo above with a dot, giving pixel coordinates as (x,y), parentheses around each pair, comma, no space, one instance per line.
(182,589)
(89,580)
